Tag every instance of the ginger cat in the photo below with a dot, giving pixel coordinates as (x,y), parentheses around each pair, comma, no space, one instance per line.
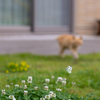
(69,42)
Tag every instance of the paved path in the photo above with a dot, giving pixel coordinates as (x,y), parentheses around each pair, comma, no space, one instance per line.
(43,44)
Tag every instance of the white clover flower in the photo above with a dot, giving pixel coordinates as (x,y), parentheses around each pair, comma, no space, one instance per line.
(64,79)
(36,87)
(47,80)
(69,69)
(73,83)
(7,86)
(63,82)
(23,81)
(25,92)
(44,84)
(46,87)
(25,86)
(58,89)
(14,99)
(52,77)
(3,92)
(42,98)
(53,95)
(47,97)
(11,97)
(59,79)
(16,85)
(29,79)
(11,83)
(51,92)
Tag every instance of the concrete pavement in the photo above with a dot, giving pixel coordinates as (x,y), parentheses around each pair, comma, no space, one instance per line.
(43,44)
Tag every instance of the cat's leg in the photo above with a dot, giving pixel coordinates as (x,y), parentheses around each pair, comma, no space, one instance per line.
(74,53)
(62,51)
(76,56)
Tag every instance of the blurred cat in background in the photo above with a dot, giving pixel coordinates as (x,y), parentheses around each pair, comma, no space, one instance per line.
(69,42)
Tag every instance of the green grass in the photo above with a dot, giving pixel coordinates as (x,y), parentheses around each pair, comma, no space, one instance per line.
(86,71)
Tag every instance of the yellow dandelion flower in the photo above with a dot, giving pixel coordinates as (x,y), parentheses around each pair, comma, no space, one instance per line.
(25,69)
(13,70)
(16,65)
(7,71)
(27,66)
(23,63)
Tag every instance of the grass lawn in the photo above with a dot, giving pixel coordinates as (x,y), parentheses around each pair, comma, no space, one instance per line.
(86,71)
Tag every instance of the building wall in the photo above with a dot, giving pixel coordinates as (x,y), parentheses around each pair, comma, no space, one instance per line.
(87,12)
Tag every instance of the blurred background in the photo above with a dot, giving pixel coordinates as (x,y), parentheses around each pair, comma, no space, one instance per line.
(29,23)
(39,15)
(73,16)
